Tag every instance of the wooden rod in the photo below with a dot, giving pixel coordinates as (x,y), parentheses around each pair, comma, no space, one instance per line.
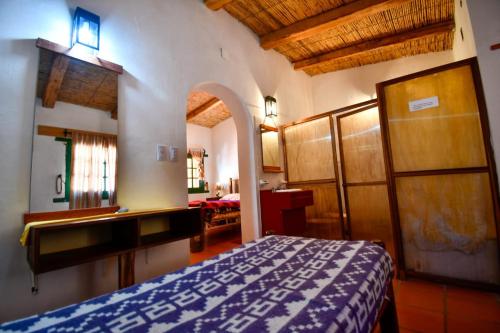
(204,107)
(54,82)
(346,14)
(69,52)
(431,30)
(60,132)
(216,4)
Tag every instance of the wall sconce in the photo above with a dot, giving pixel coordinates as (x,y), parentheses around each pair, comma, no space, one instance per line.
(270,107)
(86,28)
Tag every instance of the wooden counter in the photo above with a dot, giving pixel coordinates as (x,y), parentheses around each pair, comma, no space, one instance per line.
(283,213)
(63,243)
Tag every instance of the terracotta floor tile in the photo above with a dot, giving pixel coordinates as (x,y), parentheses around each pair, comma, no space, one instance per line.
(216,244)
(468,325)
(472,295)
(423,295)
(404,330)
(461,308)
(419,320)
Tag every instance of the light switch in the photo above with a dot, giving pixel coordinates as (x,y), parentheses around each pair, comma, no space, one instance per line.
(161,152)
(172,153)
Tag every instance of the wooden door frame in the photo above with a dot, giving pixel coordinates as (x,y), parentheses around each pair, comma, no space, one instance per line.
(392,175)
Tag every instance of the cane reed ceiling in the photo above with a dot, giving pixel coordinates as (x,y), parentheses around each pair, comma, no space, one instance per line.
(205,110)
(320,36)
(86,80)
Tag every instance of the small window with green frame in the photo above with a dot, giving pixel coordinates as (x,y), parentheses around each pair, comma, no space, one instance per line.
(195,172)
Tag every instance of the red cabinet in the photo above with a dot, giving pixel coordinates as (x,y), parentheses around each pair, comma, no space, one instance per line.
(284,213)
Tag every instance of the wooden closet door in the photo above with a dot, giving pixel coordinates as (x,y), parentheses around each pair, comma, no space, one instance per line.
(310,165)
(444,196)
(364,178)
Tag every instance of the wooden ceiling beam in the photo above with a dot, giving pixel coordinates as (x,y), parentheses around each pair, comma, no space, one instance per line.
(375,44)
(72,53)
(216,4)
(333,18)
(56,76)
(204,107)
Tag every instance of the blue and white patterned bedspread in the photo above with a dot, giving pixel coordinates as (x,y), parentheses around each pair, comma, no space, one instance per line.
(275,284)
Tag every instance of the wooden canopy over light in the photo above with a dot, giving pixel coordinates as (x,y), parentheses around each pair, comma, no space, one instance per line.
(67,76)
(320,36)
(205,110)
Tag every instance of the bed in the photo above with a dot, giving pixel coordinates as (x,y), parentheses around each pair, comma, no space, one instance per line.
(273,284)
(223,213)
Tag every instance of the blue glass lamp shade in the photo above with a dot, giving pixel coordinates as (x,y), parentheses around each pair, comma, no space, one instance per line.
(86,28)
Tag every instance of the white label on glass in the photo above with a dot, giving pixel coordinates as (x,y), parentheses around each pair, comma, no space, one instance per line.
(422,104)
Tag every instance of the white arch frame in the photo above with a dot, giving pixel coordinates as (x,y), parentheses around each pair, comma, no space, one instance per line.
(250,217)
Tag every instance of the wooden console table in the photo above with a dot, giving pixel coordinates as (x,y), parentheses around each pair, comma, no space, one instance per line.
(62,243)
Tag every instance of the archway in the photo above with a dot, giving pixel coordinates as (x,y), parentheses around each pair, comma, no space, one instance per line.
(250,225)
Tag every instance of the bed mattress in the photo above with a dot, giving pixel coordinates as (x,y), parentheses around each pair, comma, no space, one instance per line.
(274,284)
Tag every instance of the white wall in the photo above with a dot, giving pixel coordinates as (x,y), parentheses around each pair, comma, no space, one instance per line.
(484,17)
(166,48)
(225,153)
(201,137)
(48,159)
(466,47)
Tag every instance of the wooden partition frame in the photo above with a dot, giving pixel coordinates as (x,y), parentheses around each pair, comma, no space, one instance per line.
(490,168)
(355,107)
(346,184)
(318,181)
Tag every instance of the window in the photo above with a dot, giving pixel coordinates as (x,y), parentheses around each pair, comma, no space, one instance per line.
(196,171)
(93,170)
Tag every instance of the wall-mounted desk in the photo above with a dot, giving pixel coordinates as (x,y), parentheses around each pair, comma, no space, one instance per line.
(62,243)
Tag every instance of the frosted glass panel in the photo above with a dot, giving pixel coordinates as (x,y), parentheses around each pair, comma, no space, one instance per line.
(370,215)
(439,137)
(323,218)
(309,151)
(363,158)
(448,227)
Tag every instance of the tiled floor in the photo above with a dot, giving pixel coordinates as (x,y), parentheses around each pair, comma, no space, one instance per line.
(421,306)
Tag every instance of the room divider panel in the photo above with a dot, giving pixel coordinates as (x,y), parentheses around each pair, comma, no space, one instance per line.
(442,176)
(364,177)
(310,164)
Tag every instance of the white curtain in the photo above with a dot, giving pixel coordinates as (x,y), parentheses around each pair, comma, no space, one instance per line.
(92,156)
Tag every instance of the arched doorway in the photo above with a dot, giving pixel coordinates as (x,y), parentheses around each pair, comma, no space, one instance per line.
(250,222)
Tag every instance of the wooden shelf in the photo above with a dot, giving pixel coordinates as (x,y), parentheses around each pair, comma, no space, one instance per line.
(63,243)
(58,260)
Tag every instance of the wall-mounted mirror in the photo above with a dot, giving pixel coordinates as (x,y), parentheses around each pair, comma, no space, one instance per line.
(270,149)
(74,158)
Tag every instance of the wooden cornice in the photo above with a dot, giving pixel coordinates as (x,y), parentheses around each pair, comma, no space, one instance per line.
(375,44)
(204,107)
(70,52)
(60,132)
(56,76)
(216,4)
(314,25)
